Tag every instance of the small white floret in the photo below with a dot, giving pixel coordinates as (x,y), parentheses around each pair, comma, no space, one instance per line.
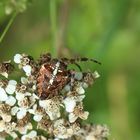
(17,58)
(14,110)
(35,96)
(84,115)
(25,129)
(11,87)
(14,135)
(8,9)
(5,74)
(72,117)
(69,104)
(27,94)
(85,85)
(2,125)
(96,74)
(6,117)
(78,75)
(67,88)
(3,95)
(20,96)
(22,113)
(80,90)
(37,118)
(30,135)
(11,101)
(43,103)
(31,111)
(24,80)
(51,107)
(27,69)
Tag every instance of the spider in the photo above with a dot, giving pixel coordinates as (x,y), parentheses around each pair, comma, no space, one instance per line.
(54,74)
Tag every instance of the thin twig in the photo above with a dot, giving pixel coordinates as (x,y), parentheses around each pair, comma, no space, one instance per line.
(7,27)
(62,27)
(53,25)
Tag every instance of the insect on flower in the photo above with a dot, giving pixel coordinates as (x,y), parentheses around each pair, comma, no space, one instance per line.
(53,74)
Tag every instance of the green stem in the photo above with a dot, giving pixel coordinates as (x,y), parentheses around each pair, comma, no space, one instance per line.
(53,25)
(7,27)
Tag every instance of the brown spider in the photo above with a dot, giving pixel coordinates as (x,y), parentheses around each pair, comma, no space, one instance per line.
(54,75)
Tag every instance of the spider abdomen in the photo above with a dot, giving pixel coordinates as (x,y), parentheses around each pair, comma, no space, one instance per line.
(52,77)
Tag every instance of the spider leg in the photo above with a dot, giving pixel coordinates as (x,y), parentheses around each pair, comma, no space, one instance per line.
(67,61)
(44,58)
(78,66)
(84,59)
(90,59)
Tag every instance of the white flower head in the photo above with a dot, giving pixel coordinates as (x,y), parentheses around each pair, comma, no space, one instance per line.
(51,107)
(78,113)
(24,80)
(67,88)
(17,58)
(7,126)
(23,129)
(25,99)
(13,134)
(20,96)
(96,75)
(78,75)
(5,74)
(24,103)
(70,104)
(11,87)
(27,69)
(60,130)
(3,95)
(64,131)
(14,110)
(80,90)
(8,9)
(5,112)
(98,132)
(30,135)
(57,115)
(85,85)
(6,117)
(38,115)
(33,99)
(21,113)
(10,100)
(2,125)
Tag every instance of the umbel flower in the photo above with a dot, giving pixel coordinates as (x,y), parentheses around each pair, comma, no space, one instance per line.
(24,115)
(15,5)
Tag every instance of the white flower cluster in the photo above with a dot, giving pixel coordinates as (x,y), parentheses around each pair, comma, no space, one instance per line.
(22,111)
(13,5)
(93,132)
(24,63)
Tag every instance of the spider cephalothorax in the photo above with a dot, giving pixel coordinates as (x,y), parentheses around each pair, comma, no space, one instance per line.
(53,75)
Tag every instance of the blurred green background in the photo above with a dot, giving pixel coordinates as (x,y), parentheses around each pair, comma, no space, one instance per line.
(108,30)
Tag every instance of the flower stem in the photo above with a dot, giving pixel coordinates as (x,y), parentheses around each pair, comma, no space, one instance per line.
(53,25)
(7,27)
